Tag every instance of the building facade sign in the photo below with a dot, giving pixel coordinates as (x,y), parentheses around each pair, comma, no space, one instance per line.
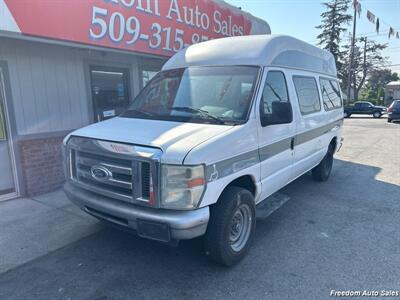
(160,27)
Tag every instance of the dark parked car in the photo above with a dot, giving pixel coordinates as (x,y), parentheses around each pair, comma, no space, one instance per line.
(394,111)
(364,108)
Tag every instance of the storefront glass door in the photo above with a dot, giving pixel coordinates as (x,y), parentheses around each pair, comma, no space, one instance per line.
(110,91)
(7,175)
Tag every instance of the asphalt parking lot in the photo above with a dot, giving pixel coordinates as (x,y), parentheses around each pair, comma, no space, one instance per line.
(338,235)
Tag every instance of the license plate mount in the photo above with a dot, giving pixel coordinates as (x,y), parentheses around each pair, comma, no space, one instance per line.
(154,230)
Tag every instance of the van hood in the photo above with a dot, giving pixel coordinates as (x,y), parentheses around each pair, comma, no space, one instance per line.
(175,139)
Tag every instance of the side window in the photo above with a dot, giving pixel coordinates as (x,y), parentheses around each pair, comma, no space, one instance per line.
(330,94)
(275,105)
(307,94)
(275,89)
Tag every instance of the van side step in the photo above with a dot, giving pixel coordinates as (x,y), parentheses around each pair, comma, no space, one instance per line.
(266,207)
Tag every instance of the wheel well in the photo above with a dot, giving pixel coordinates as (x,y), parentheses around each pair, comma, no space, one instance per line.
(246,182)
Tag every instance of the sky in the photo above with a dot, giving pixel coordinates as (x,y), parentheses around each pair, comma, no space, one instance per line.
(298,18)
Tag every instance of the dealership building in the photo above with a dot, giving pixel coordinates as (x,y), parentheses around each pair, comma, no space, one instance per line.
(65,64)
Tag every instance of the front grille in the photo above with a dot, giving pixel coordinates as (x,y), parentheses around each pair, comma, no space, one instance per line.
(119,183)
(146,180)
(116,170)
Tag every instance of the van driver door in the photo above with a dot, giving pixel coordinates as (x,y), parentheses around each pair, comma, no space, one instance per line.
(276,138)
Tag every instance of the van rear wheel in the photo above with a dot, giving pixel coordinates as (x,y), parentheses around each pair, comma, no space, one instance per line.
(231,226)
(323,170)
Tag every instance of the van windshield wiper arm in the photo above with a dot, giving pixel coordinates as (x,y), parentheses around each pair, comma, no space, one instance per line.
(274,92)
(197,111)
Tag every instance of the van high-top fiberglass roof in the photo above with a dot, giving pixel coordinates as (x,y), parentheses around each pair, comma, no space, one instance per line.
(256,50)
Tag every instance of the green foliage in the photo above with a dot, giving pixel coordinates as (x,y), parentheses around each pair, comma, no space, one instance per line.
(381,77)
(374,89)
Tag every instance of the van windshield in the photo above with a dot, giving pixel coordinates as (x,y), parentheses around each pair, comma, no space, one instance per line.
(215,95)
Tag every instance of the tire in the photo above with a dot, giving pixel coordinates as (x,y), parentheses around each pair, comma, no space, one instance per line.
(231,226)
(389,120)
(322,172)
(346,114)
(377,114)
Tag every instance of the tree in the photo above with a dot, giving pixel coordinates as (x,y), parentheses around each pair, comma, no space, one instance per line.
(367,59)
(381,77)
(374,89)
(334,24)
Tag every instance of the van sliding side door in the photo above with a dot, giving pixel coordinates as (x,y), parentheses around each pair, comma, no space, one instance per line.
(309,148)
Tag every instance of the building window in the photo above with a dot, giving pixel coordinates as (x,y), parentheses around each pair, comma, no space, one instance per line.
(330,94)
(307,94)
(110,91)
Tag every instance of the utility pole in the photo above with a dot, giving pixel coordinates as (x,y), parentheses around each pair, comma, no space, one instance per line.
(364,68)
(353,42)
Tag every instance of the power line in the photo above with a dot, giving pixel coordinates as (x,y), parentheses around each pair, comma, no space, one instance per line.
(372,33)
(365,34)
(380,19)
(385,33)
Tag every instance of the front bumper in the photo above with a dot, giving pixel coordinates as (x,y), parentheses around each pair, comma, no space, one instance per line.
(163,225)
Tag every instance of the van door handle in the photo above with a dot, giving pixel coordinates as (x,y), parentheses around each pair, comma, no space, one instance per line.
(292,143)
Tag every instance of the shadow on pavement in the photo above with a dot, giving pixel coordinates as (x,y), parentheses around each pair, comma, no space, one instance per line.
(342,234)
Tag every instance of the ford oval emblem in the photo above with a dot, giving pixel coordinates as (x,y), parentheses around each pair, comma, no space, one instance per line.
(100,173)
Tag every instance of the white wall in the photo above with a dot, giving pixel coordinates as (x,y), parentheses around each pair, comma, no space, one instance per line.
(47,86)
(50,84)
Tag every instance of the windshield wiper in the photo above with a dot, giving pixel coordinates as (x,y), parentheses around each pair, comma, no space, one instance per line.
(197,111)
(274,92)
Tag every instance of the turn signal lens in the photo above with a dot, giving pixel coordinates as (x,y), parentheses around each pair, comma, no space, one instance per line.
(195,182)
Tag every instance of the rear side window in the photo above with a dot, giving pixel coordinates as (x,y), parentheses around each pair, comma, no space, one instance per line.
(307,94)
(330,94)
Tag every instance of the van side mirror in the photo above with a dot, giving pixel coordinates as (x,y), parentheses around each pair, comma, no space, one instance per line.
(281,113)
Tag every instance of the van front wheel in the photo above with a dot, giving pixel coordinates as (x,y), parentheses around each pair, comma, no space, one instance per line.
(323,170)
(231,226)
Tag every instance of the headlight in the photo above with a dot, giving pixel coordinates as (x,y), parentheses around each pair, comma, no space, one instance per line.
(181,186)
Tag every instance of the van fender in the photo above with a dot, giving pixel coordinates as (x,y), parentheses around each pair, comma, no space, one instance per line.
(248,178)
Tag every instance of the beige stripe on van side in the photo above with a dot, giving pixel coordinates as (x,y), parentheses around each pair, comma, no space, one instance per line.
(243,161)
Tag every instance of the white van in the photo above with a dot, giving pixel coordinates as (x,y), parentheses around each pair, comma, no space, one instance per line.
(223,126)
